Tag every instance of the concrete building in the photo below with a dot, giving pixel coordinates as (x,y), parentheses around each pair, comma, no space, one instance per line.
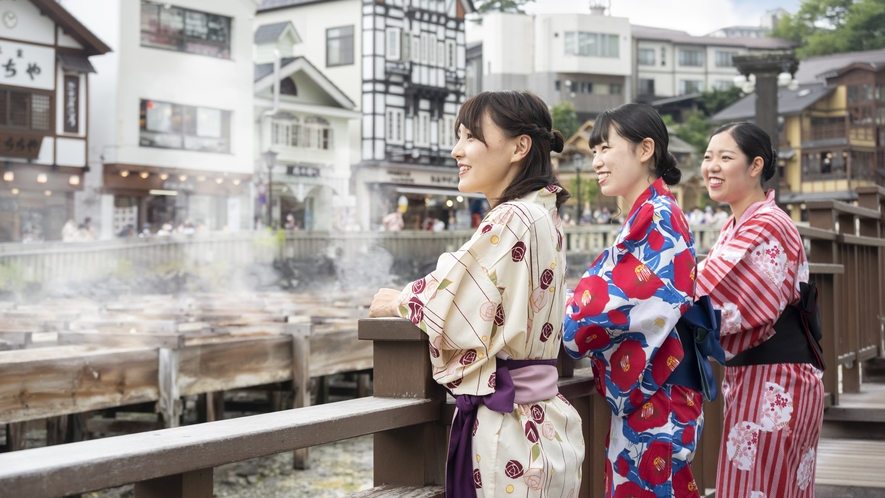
(582,58)
(311,172)
(670,63)
(44,116)
(832,137)
(403,63)
(175,101)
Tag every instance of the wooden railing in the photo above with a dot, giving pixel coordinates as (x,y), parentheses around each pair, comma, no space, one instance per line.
(409,411)
(56,263)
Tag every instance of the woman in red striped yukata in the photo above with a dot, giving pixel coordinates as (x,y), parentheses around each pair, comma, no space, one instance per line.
(773,392)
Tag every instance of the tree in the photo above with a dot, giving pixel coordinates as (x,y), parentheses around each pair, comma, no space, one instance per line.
(822,27)
(508,6)
(714,101)
(565,119)
(694,129)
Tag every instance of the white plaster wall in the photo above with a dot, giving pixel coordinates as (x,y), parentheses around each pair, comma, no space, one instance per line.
(31,26)
(508,44)
(311,22)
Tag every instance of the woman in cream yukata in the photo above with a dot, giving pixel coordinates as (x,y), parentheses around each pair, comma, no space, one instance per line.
(493,310)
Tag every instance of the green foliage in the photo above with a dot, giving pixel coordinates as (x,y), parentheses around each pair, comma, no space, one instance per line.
(11,277)
(694,129)
(588,187)
(509,6)
(822,27)
(565,119)
(716,100)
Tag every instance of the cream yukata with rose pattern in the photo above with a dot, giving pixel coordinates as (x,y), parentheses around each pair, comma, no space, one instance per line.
(502,295)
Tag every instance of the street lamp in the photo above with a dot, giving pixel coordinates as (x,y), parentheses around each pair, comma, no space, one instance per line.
(763,72)
(270,160)
(578,161)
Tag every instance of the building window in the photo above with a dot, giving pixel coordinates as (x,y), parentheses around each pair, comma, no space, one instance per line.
(557,85)
(288,87)
(824,163)
(407,47)
(441,54)
(417,43)
(616,89)
(185,30)
(646,87)
(175,126)
(447,132)
(395,126)
(25,110)
(724,59)
(691,58)
(286,132)
(663,56)
(592,44)
(860,93)
(339,46)
(723,84)
(646,57)
(394,44)
(317,133)
(585,87)
(450,55)
(422,129)
(690,86)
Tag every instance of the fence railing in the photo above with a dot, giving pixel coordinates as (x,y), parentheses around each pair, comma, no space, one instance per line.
(55,263)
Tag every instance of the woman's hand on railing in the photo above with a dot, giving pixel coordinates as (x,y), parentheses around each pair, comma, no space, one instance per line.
(384,303)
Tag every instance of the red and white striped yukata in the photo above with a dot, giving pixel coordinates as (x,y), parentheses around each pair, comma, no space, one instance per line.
(773,413)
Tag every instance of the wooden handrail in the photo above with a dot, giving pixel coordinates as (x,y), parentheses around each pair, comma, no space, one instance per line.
(103,463)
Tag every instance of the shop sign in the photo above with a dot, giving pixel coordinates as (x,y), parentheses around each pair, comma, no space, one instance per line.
(179,186)
(303,171)
(72,104)
(419,177)
(20,144)
(27,65)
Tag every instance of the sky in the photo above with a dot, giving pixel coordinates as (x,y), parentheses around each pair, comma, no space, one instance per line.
(698,17)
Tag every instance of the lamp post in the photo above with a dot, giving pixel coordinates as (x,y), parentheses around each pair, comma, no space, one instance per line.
(270,160)
(765,71)
(578,161)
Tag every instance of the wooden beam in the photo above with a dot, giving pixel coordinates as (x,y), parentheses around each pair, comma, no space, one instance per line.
(194,484)
(109,462)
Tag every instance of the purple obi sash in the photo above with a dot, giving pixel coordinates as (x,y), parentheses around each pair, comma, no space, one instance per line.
(516,381)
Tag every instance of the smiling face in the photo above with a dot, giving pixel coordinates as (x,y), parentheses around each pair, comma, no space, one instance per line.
(729,174)
(622,166)
(488,167)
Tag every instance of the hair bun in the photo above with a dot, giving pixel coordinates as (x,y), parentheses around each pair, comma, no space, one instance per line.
(667,169)
(557,142)
(770,166)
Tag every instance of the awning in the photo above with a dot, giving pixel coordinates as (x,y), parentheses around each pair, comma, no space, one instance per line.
(436,191)
(836,195)
(75,63)
(786,154)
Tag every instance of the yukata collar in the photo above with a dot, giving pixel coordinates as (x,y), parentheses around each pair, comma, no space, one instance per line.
(657,188)
(545,196)
(756,206)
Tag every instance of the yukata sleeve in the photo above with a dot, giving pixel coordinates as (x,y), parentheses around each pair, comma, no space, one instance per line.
(748,281)
(624,310)
(461,304)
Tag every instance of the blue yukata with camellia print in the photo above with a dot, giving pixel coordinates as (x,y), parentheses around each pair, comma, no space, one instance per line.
(622,316)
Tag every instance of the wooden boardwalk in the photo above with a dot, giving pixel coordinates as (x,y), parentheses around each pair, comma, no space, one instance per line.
(851,462)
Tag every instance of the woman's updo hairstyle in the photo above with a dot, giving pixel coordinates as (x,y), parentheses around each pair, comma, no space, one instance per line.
(518,113)
(635,123)
(754,142)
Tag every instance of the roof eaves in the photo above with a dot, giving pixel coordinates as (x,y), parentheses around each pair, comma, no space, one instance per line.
(72,26)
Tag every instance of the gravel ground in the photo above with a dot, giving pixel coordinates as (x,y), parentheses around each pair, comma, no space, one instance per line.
(337,470)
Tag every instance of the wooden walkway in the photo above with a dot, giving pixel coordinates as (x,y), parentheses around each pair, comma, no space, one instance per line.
(851,462)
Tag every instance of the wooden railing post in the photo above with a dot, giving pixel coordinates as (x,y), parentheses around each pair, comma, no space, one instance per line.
(301,381)
(873,198)
(414,455)
(850,304)
(196,484)
(823,251)
(169,405)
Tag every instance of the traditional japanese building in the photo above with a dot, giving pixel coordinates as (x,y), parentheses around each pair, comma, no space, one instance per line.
(44,81)
(403,63)
(175,101)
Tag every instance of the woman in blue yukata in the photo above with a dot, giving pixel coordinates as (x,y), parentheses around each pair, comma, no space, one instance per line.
(623,312)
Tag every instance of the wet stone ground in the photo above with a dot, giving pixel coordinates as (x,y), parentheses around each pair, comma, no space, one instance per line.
(337,470)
